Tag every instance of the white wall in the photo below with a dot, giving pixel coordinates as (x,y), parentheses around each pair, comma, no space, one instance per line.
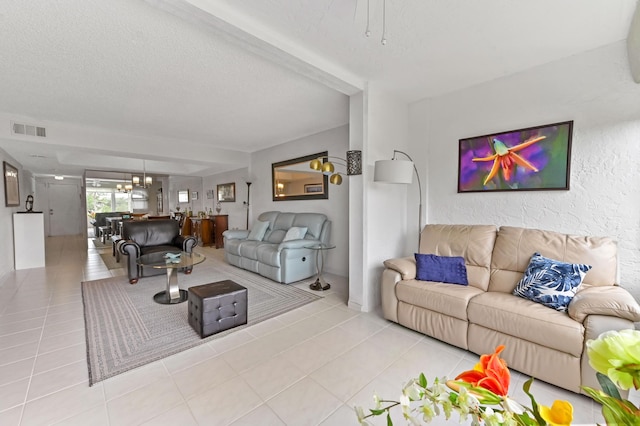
(336,208)
(178,183)
(25,181)
(595,90)
(236,210)
(390,209)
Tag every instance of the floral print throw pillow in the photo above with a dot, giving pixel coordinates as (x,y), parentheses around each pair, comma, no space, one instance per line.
(551,282)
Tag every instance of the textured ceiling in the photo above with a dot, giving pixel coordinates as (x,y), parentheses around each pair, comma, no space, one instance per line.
(237,82)
(436,46)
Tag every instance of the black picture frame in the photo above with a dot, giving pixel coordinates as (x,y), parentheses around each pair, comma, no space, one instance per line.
(296,171)
(530,159)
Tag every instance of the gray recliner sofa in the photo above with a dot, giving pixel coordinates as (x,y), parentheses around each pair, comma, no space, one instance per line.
(284,262)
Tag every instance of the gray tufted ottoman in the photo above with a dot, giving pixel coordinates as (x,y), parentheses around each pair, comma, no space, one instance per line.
(217,306)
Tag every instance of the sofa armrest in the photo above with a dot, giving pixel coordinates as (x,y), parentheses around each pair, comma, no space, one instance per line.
(405,266)
(611,301)
(130,248)
(236,234)
(185,243)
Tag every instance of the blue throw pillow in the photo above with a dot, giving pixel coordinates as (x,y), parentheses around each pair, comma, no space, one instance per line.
(551,282)
(442,269)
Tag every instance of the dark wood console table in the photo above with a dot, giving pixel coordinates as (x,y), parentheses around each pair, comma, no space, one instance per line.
(219,224)
(208,230)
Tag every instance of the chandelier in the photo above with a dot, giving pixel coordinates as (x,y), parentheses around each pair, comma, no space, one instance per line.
(126,188)
(147,180)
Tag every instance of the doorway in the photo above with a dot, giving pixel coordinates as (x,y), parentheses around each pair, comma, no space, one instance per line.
(62,207)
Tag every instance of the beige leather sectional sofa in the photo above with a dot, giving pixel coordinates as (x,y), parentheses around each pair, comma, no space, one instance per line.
(540,341)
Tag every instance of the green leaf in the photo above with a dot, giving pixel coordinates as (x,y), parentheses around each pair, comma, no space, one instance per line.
(607,386)
(422,380)
(377,412)
(615,411)
(534,405)
(389,422)
(524,420)
(614,418)
(527,386)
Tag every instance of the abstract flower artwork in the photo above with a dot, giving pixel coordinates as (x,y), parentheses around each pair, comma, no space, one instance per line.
(536,158)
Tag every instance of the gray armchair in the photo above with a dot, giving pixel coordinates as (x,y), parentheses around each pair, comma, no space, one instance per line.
(152,236)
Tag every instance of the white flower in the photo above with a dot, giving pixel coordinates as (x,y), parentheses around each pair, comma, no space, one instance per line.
(405,401)
(428,412)
(492,418)
(360,414)
(413,390)
(377,401)
(511,405)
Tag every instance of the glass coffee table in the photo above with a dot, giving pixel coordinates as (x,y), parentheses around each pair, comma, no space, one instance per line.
(171,262)
(320,284)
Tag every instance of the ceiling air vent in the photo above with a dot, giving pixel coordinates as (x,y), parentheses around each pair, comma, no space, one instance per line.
(28,130)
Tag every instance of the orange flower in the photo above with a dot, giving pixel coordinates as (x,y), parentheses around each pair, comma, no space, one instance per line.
(507,158)
(490,373)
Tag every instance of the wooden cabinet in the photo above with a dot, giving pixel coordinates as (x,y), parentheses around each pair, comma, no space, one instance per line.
(205,232)
(208,231)
(220,223)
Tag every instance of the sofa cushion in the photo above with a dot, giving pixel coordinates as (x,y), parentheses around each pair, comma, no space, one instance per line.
(550,282)
(314,223)
(446,299)
(268,254)
(157,249)
(274,236)
(527,320)
(473,242)
(233,246)
(258,230)
(295,233)
(249,249)
(514,247)
(443,269)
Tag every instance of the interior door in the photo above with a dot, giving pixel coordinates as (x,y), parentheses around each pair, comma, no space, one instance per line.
(61,205)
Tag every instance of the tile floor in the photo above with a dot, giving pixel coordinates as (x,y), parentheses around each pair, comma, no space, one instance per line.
(306,367)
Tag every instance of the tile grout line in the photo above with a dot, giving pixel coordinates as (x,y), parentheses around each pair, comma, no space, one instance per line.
(35,361)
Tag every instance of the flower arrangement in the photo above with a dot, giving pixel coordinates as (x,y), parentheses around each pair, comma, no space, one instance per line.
(482,393)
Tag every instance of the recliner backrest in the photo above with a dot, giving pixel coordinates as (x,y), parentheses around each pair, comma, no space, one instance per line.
(514,247)
(152,232)
(473,242)
(278,229)
(318,227)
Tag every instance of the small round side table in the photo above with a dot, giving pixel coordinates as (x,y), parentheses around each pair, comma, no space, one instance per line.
(320,284)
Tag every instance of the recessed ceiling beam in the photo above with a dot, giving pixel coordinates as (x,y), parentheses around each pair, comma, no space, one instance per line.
(235,29)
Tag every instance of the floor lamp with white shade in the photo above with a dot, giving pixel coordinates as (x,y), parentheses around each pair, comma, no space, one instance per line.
(399,171)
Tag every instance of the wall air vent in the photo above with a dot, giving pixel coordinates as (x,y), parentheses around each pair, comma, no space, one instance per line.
(28,130)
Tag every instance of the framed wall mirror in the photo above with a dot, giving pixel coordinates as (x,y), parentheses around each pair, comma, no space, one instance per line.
(295,180)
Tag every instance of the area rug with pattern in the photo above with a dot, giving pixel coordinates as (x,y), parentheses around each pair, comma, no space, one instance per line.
(97,243)
(126,329)
(110,260)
